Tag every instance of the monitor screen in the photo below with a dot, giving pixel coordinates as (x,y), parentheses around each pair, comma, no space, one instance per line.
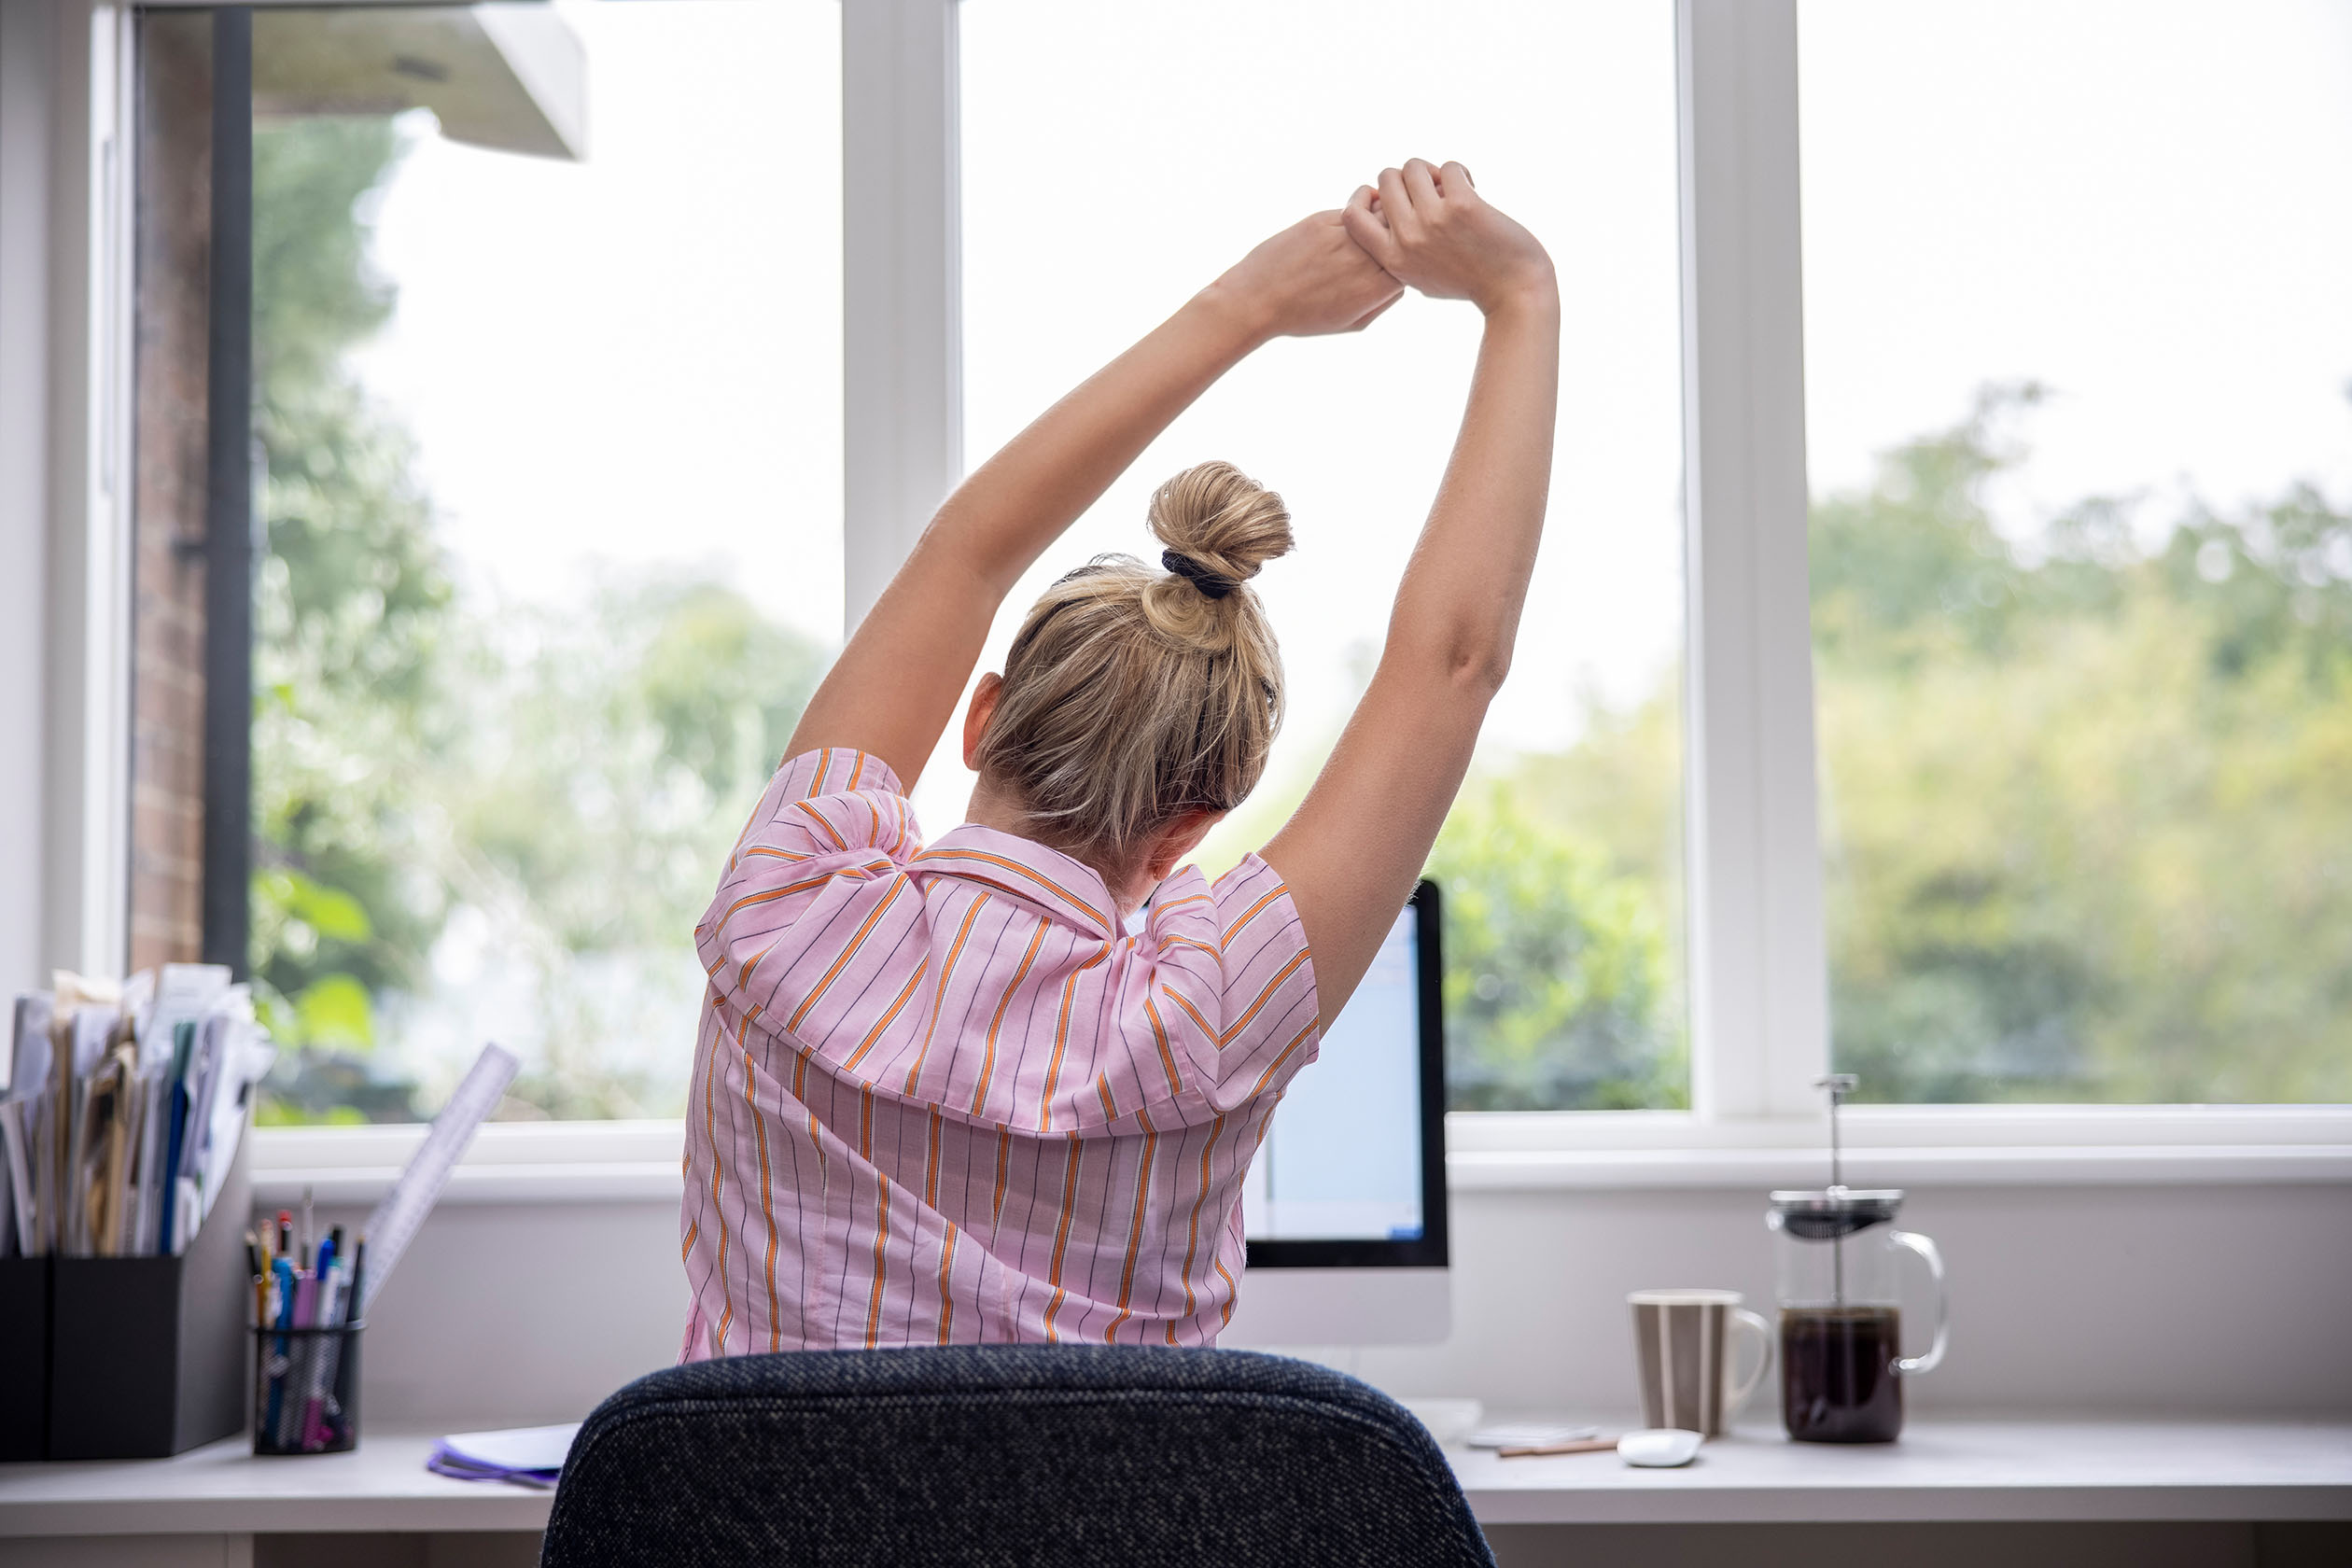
(1343,1158)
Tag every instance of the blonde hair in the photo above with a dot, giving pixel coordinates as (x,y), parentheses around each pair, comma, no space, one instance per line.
(1133,696)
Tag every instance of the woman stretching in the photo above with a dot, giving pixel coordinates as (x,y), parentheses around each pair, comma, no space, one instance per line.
(940,1095)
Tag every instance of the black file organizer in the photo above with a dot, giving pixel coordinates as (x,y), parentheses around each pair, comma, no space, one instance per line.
(148,1354)
(24,1350)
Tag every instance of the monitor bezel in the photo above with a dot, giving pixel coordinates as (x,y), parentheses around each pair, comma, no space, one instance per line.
(1430,1250)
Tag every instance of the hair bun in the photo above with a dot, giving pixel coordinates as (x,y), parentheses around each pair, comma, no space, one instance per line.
(1221,519)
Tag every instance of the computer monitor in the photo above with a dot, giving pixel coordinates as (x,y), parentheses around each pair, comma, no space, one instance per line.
(1344,1206)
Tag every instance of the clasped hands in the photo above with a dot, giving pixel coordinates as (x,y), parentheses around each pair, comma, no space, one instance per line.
(1421,227)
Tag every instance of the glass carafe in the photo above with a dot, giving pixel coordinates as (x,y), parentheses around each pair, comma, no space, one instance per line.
(1839,1262)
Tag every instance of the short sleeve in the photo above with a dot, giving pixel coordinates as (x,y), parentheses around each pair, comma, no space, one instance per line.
(1234,988)
(830,823)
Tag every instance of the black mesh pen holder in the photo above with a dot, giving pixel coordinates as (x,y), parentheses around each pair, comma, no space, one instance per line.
(306,1390)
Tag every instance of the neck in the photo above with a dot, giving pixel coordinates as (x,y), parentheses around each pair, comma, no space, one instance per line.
(997,808)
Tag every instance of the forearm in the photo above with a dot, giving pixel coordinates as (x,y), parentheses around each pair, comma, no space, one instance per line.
(1456,610)
(1004,516)
(896,685)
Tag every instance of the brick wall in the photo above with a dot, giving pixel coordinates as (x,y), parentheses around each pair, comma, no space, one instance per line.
(167,693)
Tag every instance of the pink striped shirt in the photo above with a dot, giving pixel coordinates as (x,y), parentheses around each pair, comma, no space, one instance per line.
(939,1098)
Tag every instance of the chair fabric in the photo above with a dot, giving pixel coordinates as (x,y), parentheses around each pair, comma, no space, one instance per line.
(1016,1455)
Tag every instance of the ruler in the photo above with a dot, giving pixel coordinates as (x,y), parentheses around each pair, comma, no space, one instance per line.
(394,1222)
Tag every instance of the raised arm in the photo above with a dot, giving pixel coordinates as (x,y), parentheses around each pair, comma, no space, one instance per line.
(894,687)
(1352,851)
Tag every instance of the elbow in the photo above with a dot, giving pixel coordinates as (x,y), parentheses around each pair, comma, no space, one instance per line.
(1478,669)
(1470,663)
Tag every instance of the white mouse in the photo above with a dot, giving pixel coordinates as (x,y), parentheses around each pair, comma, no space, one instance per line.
(1663,1448)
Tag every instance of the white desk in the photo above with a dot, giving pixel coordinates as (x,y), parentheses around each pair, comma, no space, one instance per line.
(1941,1471)
(2017,1470)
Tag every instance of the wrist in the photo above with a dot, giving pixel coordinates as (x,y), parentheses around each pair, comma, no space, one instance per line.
(1240,317)
(1531,293)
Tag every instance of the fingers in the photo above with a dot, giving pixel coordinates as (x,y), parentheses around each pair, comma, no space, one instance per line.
(1454,178)
(1397,204)
(1368,228)
(1420,183)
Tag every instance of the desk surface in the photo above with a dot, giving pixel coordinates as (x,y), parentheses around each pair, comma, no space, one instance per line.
(2024,1470)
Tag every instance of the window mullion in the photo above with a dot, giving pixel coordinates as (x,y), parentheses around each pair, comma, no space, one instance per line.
(1760,979)
(902,287)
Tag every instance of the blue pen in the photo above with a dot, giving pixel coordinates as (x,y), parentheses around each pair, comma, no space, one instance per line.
(284,1268)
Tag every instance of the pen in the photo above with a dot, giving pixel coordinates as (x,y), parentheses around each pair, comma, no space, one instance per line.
(261,1290)
(286,1233)
(356,1303)
(283,1269)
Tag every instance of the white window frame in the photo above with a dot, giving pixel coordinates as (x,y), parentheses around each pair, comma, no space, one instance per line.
(1758,971)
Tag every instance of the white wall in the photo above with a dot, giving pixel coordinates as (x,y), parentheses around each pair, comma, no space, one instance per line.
(25,160)
(2123,1299)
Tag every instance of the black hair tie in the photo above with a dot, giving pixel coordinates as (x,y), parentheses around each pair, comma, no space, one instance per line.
(1198,574)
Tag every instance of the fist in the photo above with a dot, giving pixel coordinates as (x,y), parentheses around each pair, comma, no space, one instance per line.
(1312,278)
(1430,228)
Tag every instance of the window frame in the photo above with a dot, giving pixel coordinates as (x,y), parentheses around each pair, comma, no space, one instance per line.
(1759,967)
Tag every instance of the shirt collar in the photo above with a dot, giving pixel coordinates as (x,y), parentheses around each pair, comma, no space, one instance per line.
(1068,889)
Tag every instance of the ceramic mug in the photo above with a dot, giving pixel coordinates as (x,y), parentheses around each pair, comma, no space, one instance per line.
(1682,1342)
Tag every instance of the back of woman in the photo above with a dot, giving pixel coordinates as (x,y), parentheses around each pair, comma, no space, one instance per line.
(1004,1085)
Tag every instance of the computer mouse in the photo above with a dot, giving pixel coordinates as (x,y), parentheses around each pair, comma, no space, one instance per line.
(1659,1448)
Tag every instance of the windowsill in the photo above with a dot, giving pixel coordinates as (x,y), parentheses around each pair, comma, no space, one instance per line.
(638,1162)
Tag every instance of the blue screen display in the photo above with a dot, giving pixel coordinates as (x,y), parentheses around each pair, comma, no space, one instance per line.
(1342,1159)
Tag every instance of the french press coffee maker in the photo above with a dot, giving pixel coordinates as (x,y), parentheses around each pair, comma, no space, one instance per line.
(1841,1317)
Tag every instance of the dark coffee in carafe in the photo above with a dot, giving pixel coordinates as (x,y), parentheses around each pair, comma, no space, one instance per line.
(1838,1381)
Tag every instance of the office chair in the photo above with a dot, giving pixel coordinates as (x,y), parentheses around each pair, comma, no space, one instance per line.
(1020,1455)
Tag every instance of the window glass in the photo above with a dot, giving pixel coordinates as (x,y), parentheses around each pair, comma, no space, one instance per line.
(2078,348)
(551,414)
(1115,158)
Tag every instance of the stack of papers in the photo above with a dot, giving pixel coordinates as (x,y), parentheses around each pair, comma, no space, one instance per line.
(531,1456)
(122,1109)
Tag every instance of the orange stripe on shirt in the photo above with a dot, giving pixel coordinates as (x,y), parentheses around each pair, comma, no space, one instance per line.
(1235,929)
(1276,1065)
(939,998)
(818,818)
(1004,1152)
(946,1273)
(987,1058)
(718,1184)
(881,1246)
(1061,1039)
(1046,882)
(767,1190)
(855,769)
(847,952)
(1135,1227)
(1191,1011)
(931,1166)
(1192,1243)
(1262,997)
(875,1032)
(1062,1240)
(801,887)
(1167,1057)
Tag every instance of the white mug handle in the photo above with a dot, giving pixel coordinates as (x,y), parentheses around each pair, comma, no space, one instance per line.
(1910,1366)
(1742,1321)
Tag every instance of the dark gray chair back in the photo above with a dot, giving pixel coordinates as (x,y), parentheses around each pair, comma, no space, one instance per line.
(1027,1454)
